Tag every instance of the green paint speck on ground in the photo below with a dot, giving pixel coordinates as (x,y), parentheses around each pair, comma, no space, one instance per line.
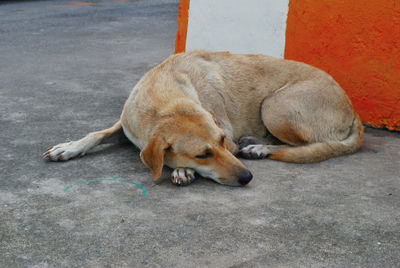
(113,179)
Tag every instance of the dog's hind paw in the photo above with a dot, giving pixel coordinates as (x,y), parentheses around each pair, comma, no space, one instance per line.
(183,176)
(246,141)
(256,151)
(62,152)
(259,151)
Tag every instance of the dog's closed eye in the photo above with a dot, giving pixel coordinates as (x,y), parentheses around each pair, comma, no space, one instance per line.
(207,154)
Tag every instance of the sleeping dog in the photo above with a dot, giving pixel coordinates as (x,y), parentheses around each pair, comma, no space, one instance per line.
(196,111)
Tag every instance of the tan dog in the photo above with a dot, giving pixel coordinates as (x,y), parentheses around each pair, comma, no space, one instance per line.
(195,110)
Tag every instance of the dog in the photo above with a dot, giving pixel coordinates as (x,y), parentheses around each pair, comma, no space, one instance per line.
(196,111)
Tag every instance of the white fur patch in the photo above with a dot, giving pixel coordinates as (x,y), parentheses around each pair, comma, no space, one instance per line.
(64,151)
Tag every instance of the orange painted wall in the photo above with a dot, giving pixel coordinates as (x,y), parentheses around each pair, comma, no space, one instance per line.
(358,43)
(183,15)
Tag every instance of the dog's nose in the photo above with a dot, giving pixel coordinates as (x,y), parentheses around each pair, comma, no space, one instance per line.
(245,177)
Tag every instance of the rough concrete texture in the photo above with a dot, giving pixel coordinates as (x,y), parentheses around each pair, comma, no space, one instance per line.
(67,70)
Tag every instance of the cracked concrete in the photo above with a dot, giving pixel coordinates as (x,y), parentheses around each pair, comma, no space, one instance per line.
(66,70)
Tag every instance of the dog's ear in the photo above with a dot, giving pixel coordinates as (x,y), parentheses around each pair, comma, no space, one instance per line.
(153,155)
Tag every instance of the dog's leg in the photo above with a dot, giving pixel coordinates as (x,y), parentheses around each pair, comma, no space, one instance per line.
(267,140)
(259,151)
(257,148)
(315,132)
(183,176)
(68,150)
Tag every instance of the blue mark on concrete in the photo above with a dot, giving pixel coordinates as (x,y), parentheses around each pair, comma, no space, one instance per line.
(116,179)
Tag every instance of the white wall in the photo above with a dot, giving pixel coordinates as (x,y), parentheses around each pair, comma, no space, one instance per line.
(238,26)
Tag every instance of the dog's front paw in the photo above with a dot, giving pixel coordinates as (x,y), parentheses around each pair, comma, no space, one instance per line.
(183,176)
(256,151)
(63,151)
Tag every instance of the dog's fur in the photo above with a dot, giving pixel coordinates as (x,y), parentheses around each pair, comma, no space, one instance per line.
(196,110)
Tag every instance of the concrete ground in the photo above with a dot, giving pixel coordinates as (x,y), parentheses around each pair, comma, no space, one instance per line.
(66,69)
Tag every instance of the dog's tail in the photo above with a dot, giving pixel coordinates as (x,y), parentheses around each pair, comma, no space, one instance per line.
(316,152)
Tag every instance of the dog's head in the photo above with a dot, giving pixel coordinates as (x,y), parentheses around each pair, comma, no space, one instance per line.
(195,141)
